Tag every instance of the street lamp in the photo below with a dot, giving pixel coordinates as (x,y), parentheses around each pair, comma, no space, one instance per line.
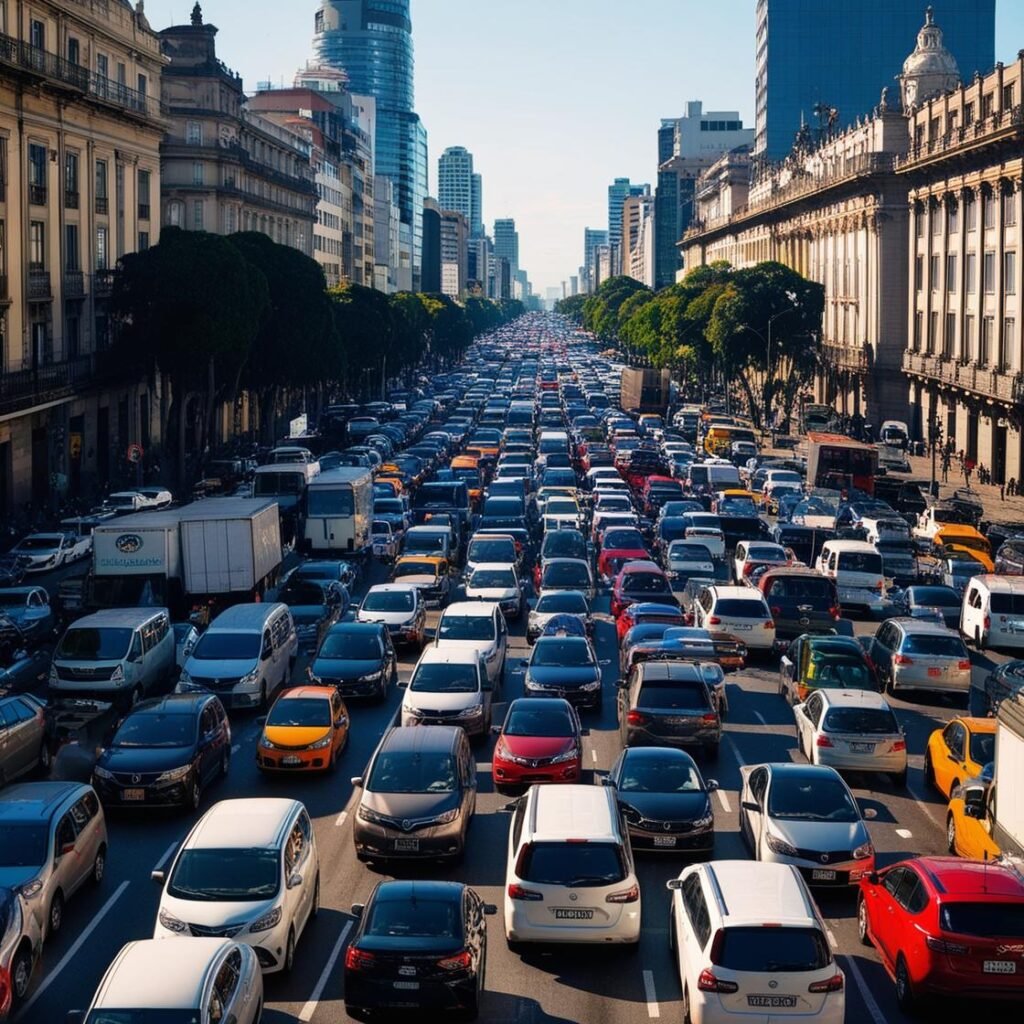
(768,363)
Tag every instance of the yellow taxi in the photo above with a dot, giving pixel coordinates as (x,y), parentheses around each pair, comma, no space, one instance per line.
(958,752)
(429,574)
(467,467)
(393,482)
(306,731)
(969,822)
(960,537)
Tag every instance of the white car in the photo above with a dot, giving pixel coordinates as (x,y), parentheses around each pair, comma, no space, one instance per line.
(156,497)
(400,607)
(477,626)
(249,868)
(753,553)
(741,611)
(494,581)
(449,687)
(686,558)
(46,551)
(205,980)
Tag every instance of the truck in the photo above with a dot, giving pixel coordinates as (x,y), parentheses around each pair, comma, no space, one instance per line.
(839,462)
(645,391)
(336,512)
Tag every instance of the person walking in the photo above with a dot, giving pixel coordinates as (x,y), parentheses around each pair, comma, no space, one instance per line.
(1011,487)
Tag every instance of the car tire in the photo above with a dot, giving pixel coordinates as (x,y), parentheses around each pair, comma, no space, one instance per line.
(21,972)
(55,915)
(289,953)
(263,696)
(899,779)
(514,946)
(862,922)
(99,866)
(979,641)
(45,757)
(225,762)
(951,834)
(195,793)
(905,998)
(929,770)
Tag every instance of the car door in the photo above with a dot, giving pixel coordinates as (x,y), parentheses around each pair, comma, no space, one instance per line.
(299,884)
(339,714)
(950,768)
(752,805)
(882,646)
(807,716)
(30,731)
(87,820)
(67,869)
(8,743)
(209,745)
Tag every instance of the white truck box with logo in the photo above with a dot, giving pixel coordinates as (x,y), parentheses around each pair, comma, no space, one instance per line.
(143,544)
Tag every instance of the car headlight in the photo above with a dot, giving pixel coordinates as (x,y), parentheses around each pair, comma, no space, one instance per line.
(591,687)
(266,744)
(30,889)
(171,923)
(367,814)
(706,822)
(175,774)
(267,921)
(117,676)
(448,817)
(473,712)
(568,755)
(780,846)
(320,744)
(54,678)
(864,851)
(102,773)
(372,677)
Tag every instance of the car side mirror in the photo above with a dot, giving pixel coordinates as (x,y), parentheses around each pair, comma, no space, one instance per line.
(607,780)
(158,876)
(294,880)
(711,785)
(357,781)
(403,683)
(872,877)
(673,884)
(357,909)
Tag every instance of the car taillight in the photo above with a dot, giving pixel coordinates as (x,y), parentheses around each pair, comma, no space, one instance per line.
(775,610)
(714,620)
(902,659)
(748,568)
(834,611)
(707,982)
(517,892)
(709,719)
(460,962)
(833,984)
(636,718)
(823,741)
(358,959)
(943,946)
(768,624)
(898,745)
(630,895)
(880,585)
(987,622)
(964,665)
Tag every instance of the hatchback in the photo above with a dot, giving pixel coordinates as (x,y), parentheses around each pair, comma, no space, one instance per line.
(400,607)
(911,654)
(306,730)
(564,666)
(741,611)
(358,659)
(540,741)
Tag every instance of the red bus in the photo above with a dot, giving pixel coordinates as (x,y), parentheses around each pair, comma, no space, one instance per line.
(841,463)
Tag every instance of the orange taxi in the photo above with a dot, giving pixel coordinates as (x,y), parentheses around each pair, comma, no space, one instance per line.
(467,467)
(393,482)
(306,730)
(959,751)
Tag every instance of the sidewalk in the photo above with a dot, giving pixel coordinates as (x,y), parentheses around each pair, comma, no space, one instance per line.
(996,510)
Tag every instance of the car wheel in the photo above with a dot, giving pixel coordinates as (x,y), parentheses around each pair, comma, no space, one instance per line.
(905,998)
(316,898)
(21,972)
(979,640)
(55,918)
(99,866)
(45,757)
(899,779)
(951,834)
(225,762)
(263,696)
(195,793)
(929,770)
(862,922)
(289,953)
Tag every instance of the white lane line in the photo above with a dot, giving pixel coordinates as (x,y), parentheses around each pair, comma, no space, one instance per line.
(731,744)
(652,995)
(924,807)
(75,947)
(236,748)
(306,1013)
(760,718)
(340,820)
(593,755)
(904,833)
(724,801)
(831,938)
(869,1000)
(166,857)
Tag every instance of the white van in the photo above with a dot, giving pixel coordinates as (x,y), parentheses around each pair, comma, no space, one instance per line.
(713,477)
(246,653)
(570,875)
(993,611)
(856,567)
(337,512)
(284,482)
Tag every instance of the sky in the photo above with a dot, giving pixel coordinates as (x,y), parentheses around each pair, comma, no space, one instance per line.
(554,98)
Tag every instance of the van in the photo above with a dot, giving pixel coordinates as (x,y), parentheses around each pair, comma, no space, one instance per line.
(570,875)
(712,477)
(337,512)
(246,653)
(856,568)
(993,612)
(284,482)
(436,541)
(118,653)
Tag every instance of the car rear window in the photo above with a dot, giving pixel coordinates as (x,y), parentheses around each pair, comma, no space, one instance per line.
(988,920)
(860,561)
(940,646)
(1008,604)
(577,864)
(738,608)
(668,694)
(810,587)
(646,583)
(861,721)
(768,950)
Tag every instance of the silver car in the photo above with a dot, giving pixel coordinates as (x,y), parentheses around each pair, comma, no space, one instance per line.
(24,744)
(913,654)
(853,730)
(21,941)
(557,602)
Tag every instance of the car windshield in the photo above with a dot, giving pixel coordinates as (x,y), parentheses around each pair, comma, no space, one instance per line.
(466,627)
(491,551)
(659,775)
(409,771)
(942,597)
(840,674)
(300,711)
(414,918)
(986,920)
(572,864)
(741,608)
(547,722)
(810,798)
(351,646)
(39,543)
(860,561)
(565,574)
(862,721)
(809,588)
(236,875)
(623,540)
(503,578)
(770,949)
(147,1016)
(445,679)
(94,644)
(682,552)
(565,601)
(568,651)
(646,583)
(673,694)
(416,567)
(937,645)
(564,544)
(388,505)
(983,747)
(156,729)
(227,647)
(270,484)
(388,601)
(300,593)
(23,846)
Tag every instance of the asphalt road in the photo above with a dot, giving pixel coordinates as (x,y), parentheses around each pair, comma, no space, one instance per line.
(567,985)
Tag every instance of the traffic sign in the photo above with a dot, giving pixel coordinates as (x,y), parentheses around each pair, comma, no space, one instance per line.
(135,453)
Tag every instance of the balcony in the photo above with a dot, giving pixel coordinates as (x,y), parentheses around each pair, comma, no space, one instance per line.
(24,389)
(847,357)
(74,284)
(1002,385)
(38,285)
(37,195)
(102,204)
(103,283)
(1002,125)
(70,200)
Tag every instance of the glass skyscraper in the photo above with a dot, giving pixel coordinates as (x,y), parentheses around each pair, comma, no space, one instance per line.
(842,53)
(371,40)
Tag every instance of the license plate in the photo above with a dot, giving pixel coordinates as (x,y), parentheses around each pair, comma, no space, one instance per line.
(821,875)
(664,840)
(999,967)
(408,845)
(934,672)
(292,759)
(407,986)
(564,914)
(862,748)
(741,626)
(772,1002)
(133,794)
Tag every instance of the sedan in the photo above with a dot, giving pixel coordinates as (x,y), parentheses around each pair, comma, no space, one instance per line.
(639,581)
(822,661)
(686,558)
(46,551)
(567,574)
(960,750)
(940,604)
(498,583)
(665,800)
(805,815)
(24,743)
(399,607)
(557,602)
(420,946)
(30,610)
(357,659)
(564,666)
(306,730)
(540,741)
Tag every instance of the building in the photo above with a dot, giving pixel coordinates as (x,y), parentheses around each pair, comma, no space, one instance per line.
(964,174)
(430,281)
(593,239)
(80,129)
(454,254)
(481,254)
(459,188)
(638,239)
(224,167)
(371,40)
(386,221)
(813,58)
(618,192)
(574,285)
(506,245)
(602,264)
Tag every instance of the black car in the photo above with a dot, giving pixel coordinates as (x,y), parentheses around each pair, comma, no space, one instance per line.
(358,658)
(418,946)
(315,606)
(1005,681)
(165,752)
(564,666)
(801,601)
(665,800)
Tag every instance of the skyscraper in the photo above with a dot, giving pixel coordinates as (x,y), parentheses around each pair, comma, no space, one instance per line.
(506,244)
(371,40)
(458,188)
(813,57)
(618,192)
(592,239)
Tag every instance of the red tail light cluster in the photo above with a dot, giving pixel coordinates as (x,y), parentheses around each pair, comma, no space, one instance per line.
(823,741)
(707,982)
(630,895)
(460,962)
(714,620)
(833,984)
(518,892)
(902,659)
(636,718)
(898,745)
(358,959)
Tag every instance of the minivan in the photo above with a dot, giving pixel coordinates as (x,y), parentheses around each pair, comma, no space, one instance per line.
(246,653)
(116,654)
(993,611)
(856,568)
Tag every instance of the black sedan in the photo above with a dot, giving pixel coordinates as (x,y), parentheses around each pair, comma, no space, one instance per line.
(165,752)
(665,800)
(564,666)
(358,659)
(315,606)
(418,946)
(929,602)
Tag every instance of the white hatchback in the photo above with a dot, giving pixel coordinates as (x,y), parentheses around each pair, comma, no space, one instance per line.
(741,611)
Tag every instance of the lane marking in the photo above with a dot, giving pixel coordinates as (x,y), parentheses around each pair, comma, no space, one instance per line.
(760,718)
(831,938)
(904,833)
(166,857)
(652,996)
(306,1013)
(869,1000)
(724,801)
(236,748)
(340,820)
(593,755)
(75,947)
(731,743)
(927,810)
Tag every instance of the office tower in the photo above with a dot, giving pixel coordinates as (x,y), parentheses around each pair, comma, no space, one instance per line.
(454,253)
(814,58)
(430,281)
(592,238)
(459,188)
(506,244)
(618,192)
(371,40)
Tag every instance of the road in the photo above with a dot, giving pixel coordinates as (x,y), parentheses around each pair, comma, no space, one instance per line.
(566,985)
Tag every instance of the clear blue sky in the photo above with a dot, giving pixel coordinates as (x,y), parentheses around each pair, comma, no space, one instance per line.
(555,98)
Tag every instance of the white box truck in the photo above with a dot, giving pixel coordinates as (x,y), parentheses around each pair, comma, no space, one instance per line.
(1008,818)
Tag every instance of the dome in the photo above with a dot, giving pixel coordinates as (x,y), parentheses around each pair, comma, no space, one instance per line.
(931,69)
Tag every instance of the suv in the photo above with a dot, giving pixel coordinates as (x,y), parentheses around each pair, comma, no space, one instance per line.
(570,875)
(731,963)
(919,655)
(741,611)
(800,600)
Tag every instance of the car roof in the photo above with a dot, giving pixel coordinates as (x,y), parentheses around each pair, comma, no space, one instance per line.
(541,704)
(172,704)
(357,627)
(436,738)
(573,811)
(244,823)
(909,625)
(670,671)
(246,616)
(747,593)
(387,588)
(953,876)
(851,545)
(641,565)
(37,801)
(475,609)
(855,698)
(448,654)
(752,892)
(504,566)
(309,692)
(125,618)
(404,890)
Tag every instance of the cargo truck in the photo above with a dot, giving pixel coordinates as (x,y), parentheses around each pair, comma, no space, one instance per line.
(645,391)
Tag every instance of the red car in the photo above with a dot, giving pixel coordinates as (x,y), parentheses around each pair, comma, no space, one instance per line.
(644,612)
(641,580)
(946,926)
(541,741)
(620,544)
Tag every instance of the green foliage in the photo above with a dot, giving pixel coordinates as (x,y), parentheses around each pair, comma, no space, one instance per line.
(601,310)
(572,307)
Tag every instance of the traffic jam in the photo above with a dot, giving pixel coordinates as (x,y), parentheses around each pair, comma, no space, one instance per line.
(539,655)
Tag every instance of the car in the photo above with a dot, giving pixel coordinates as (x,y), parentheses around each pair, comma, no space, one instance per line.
(800,601)
(24,737)
(476,626)
(687,558)
(493,549)
(210,979)
(1004,681)
(13,569)
(541,740)
(165,752)
(315,606)
(497,582)
(937,603)
(386,540)
(47,551)
(741,611)
(401,608)
(434,932)
(358,659)
(306,730)
(186,636)
(21,942)
(852,730)
(751,554)
(959,751)
(667,614)
(564,666)
(805,815)
(449,686)
(155,497)
(417,797)
(430,574)
(946,928)
(665,800)
(641,580)
(329,570)
(30,610)
(750,945)
(557,602)
(620,545)
(21,670)
(919,655)
(820,661)
(566,574)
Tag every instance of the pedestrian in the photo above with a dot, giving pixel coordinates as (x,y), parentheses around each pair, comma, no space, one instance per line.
(1011,486)
(945,467)
(1002,492)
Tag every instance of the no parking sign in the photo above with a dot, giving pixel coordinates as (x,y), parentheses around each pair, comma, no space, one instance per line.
(135,453)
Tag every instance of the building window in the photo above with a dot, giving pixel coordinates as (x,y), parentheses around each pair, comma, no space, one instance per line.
(917,331)
(968,340)
(936,221)
(37,34)
(36,174)
(1006,345)
(987,104)
(197,173)
(143,241)
(197,215)
(71,180)
(919,223)
(988,273)
(968,114)
(1007,96)
(953,218)
(174,214)
(1010,273)
(989,204)
(985,348)
(949,337)
(933,329)
(951,272)
(971,284)
(970,212)
(143,188)
(142,85)
(74,51)
(102,194)
(71,257)
(1009,209)
(194,133)
(101,249)
(37,245)
(102,65)
(230,220)
(933,272)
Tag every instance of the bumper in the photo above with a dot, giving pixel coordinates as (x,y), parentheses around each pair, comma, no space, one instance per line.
(292,761)
(661,841)
(113,794)
(828,876)
(573,694)
(507,773)
(637,736)
(888,763)
(375,842)
(707,1008)
(357,687)
(919,679)
(365,995)
(475,726)
(624,931)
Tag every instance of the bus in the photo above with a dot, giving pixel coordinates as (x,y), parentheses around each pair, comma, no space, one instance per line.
(841,463)
(337,512)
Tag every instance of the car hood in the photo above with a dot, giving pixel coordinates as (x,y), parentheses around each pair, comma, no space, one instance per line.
(410,805)
(668,806)
(215,668)
(144,759)
(420,579)
(491,593)
(388,618)
(823,522)
(307,615)
(218,913)
(549,675)
(295,735)
(336,668)
(537,746)
(821,835)
(441,701)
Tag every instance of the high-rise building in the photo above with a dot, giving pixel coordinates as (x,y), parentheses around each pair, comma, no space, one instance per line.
(431,275)
(386,221)
(814,58)
(592,239)
(618,192)
(459,188)
(506,244)
(638,239)
(454,253)
(476,221)
(371,40)
(574,285)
